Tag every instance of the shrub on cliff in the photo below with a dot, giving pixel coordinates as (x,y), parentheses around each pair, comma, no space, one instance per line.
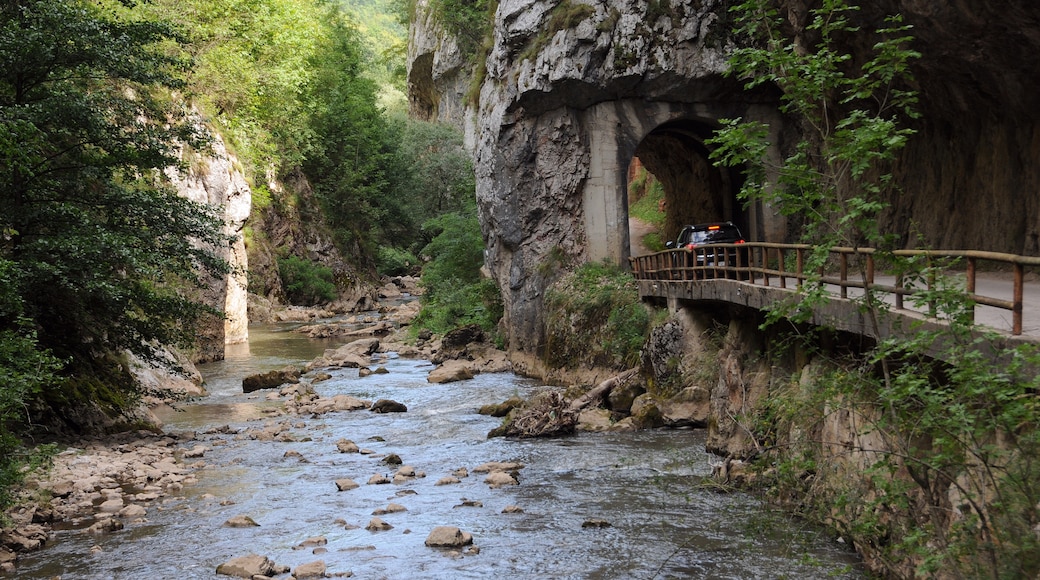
(594,318)
(925,452)
(305,282)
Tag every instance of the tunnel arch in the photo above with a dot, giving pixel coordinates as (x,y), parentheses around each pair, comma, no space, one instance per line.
(695,189)
(662,132)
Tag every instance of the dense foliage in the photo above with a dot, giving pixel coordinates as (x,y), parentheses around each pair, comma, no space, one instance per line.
(456,293)
(100,246)
(945,447)
(97,254)
(305,282)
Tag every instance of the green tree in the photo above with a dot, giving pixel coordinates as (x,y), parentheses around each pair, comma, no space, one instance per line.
(456,293)
(837,180)
(26,368)
(350,162)
(101,250)
(432,176)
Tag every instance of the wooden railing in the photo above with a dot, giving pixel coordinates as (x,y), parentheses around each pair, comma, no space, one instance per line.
(782,265)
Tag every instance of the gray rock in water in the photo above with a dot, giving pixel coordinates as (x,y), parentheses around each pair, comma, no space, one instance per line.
(595,523)
(500,478)
(249,566)
(347,446)
(378,525)
(346,484)
(270,379)
(388,406)
(310,570)
(241,522)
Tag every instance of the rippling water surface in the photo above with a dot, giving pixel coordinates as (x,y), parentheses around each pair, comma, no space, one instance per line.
(645,484)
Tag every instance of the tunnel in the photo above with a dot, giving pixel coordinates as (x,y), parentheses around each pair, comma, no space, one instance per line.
(695,190)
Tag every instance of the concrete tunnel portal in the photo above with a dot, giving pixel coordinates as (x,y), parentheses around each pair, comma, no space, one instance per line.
(668,140)
(695,190)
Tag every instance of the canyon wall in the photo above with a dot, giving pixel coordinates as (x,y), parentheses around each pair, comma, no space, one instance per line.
(573,90)
(213,178)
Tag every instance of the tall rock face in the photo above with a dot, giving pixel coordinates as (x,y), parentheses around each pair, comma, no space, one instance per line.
(572,92)
(214,179)
(439,75)
(574,89)
(291,223)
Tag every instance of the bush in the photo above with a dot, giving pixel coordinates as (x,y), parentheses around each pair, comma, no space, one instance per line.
(306,282)
(456,294)
(26,368)
(594,318)
(395,262)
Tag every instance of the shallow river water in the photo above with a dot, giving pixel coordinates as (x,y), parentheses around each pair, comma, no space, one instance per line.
(663,524)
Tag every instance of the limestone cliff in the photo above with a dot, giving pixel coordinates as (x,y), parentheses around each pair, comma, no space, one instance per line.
(214,178)
(573,93)
(575,89)
(439,75)
(291,223)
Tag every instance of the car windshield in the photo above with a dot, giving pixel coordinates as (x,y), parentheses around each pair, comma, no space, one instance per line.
(722,235)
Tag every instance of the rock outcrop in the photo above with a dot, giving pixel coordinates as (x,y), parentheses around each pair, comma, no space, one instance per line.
(438,73)
(214,178)
(574,91)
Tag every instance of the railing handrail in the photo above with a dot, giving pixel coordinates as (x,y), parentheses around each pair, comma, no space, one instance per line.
(750,262)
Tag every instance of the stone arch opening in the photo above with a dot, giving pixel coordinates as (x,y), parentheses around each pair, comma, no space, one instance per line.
(695,190)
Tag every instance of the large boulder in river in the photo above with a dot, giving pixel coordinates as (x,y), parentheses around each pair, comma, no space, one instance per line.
(270,379)
(310,570)
(448,537)
(476,359)
(354,354)
(690,408)
(451,371)
(388,406)
(249,566)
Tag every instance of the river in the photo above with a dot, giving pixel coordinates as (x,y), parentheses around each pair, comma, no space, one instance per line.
(646,485)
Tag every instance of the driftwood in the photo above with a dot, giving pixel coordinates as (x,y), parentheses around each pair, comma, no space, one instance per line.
(600,391)
(546,416)
(549,414)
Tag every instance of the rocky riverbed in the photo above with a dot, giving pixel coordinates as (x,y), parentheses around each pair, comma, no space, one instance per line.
(387,473)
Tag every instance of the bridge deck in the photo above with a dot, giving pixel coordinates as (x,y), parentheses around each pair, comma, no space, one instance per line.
(759,275)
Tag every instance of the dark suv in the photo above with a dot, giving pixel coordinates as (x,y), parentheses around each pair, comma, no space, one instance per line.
(706,234)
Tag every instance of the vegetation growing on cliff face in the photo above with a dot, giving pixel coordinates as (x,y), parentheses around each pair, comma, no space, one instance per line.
(944,436)
(594,318)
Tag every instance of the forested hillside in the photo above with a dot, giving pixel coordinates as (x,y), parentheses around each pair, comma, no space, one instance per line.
(99,99)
